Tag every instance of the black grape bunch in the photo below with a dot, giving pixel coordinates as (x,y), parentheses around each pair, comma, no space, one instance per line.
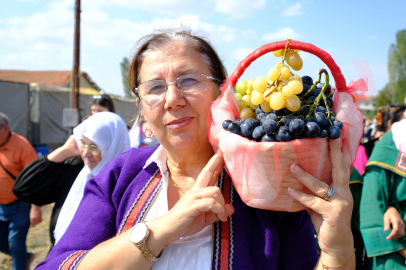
(277,117)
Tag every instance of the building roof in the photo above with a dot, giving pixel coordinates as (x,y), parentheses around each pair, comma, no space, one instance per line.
(55,78)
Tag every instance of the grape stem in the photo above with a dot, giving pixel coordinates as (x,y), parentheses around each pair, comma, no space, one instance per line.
(321,95)
(311,88)
(286,50)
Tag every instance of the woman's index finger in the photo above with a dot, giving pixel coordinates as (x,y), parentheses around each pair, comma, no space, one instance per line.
(341,162)
(208,176)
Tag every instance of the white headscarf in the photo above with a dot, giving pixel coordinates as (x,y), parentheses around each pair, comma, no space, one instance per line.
(109,132)
(399,135)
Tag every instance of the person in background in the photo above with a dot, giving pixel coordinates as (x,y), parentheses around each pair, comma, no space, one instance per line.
(66,170)
(361,159)
(140,135)
(383,200)
(356,184)
(101,103)
(15,215)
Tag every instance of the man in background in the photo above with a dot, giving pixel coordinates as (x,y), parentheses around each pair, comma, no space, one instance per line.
(15,153)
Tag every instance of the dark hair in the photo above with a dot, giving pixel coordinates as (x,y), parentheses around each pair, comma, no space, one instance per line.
(103,100)
(4,120)
(391,112)
(162,37)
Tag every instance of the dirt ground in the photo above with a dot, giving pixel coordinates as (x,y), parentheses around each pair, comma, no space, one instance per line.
(37,241)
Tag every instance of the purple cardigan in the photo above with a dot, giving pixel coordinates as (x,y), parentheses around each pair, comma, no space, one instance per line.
(123,192)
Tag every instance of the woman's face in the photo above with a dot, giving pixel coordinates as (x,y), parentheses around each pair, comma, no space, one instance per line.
(98,108)
(178,120)
(89,152)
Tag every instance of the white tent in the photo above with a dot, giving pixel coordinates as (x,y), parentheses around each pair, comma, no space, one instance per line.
(35,110)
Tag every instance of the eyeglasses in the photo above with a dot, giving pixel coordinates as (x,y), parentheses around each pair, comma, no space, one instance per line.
(189,84)
(92,148)
(97,97)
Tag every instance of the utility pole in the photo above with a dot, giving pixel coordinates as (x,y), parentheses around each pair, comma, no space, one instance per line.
(74,102)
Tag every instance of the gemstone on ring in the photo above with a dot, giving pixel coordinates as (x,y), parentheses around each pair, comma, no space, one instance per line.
(329,194)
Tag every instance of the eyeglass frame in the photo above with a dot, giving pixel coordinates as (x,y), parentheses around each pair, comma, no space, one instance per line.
(88,147)
(175,81)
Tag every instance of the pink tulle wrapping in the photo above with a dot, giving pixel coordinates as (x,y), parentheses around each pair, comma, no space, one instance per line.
(260,171)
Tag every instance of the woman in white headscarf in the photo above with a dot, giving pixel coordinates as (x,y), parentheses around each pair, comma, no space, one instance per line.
(99,139)
(61,176)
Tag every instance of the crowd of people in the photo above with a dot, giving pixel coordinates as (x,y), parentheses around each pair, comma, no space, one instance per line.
(383,201)
(157,196)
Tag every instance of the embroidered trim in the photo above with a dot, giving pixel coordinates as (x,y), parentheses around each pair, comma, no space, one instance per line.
(141,203)
(150,202)
(230,221)
(387,166)
(217,241)
(76,263)
(60,267)
(225,229)
(216,230)
(136,200)
(356,182)
(401,162)
(67,263)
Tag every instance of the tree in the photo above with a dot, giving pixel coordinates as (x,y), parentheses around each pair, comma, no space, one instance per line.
(384,97)
(395,90)
(124,66)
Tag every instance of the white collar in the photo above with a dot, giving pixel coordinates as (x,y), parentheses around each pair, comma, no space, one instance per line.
(159,157)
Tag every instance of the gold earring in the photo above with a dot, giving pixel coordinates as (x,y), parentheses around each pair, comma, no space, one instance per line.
(150,135)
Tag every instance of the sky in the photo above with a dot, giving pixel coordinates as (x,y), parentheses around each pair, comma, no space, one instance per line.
(38,34)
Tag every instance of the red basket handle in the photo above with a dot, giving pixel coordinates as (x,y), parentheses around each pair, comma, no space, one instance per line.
(307,47)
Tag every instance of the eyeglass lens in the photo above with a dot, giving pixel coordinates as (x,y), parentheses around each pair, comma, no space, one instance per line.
(189,83)
(91,147)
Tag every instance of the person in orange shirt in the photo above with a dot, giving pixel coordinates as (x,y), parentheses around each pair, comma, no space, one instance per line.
(15,153)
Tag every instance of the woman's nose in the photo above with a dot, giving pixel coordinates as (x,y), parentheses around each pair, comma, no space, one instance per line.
(87,153)
(174,97)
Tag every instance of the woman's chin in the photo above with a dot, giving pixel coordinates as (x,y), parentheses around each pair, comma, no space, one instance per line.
(90,164)
(184,142)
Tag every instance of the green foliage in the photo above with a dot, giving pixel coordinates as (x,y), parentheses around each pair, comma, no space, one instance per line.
(124,67)
(395,90)
(384,97)
(370,115)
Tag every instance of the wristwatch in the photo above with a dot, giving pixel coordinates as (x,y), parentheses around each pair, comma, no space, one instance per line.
(138,235)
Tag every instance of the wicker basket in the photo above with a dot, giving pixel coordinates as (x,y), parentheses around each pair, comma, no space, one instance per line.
(260,170)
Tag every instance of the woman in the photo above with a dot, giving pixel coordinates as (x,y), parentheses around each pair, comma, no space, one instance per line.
(49,179)
(383,200)
(101,103)
(140,135)
(161,208)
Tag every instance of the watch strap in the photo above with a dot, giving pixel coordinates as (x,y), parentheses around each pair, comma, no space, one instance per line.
(143,247)
(147,254)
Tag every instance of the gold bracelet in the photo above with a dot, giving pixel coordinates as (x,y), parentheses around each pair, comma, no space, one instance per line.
(323,266)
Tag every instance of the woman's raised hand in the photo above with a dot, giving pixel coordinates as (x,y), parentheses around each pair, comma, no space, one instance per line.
(331,219)
(71,147)
(68,150)
(200,206)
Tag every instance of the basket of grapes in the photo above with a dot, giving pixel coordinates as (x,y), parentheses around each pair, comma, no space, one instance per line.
(264,125)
